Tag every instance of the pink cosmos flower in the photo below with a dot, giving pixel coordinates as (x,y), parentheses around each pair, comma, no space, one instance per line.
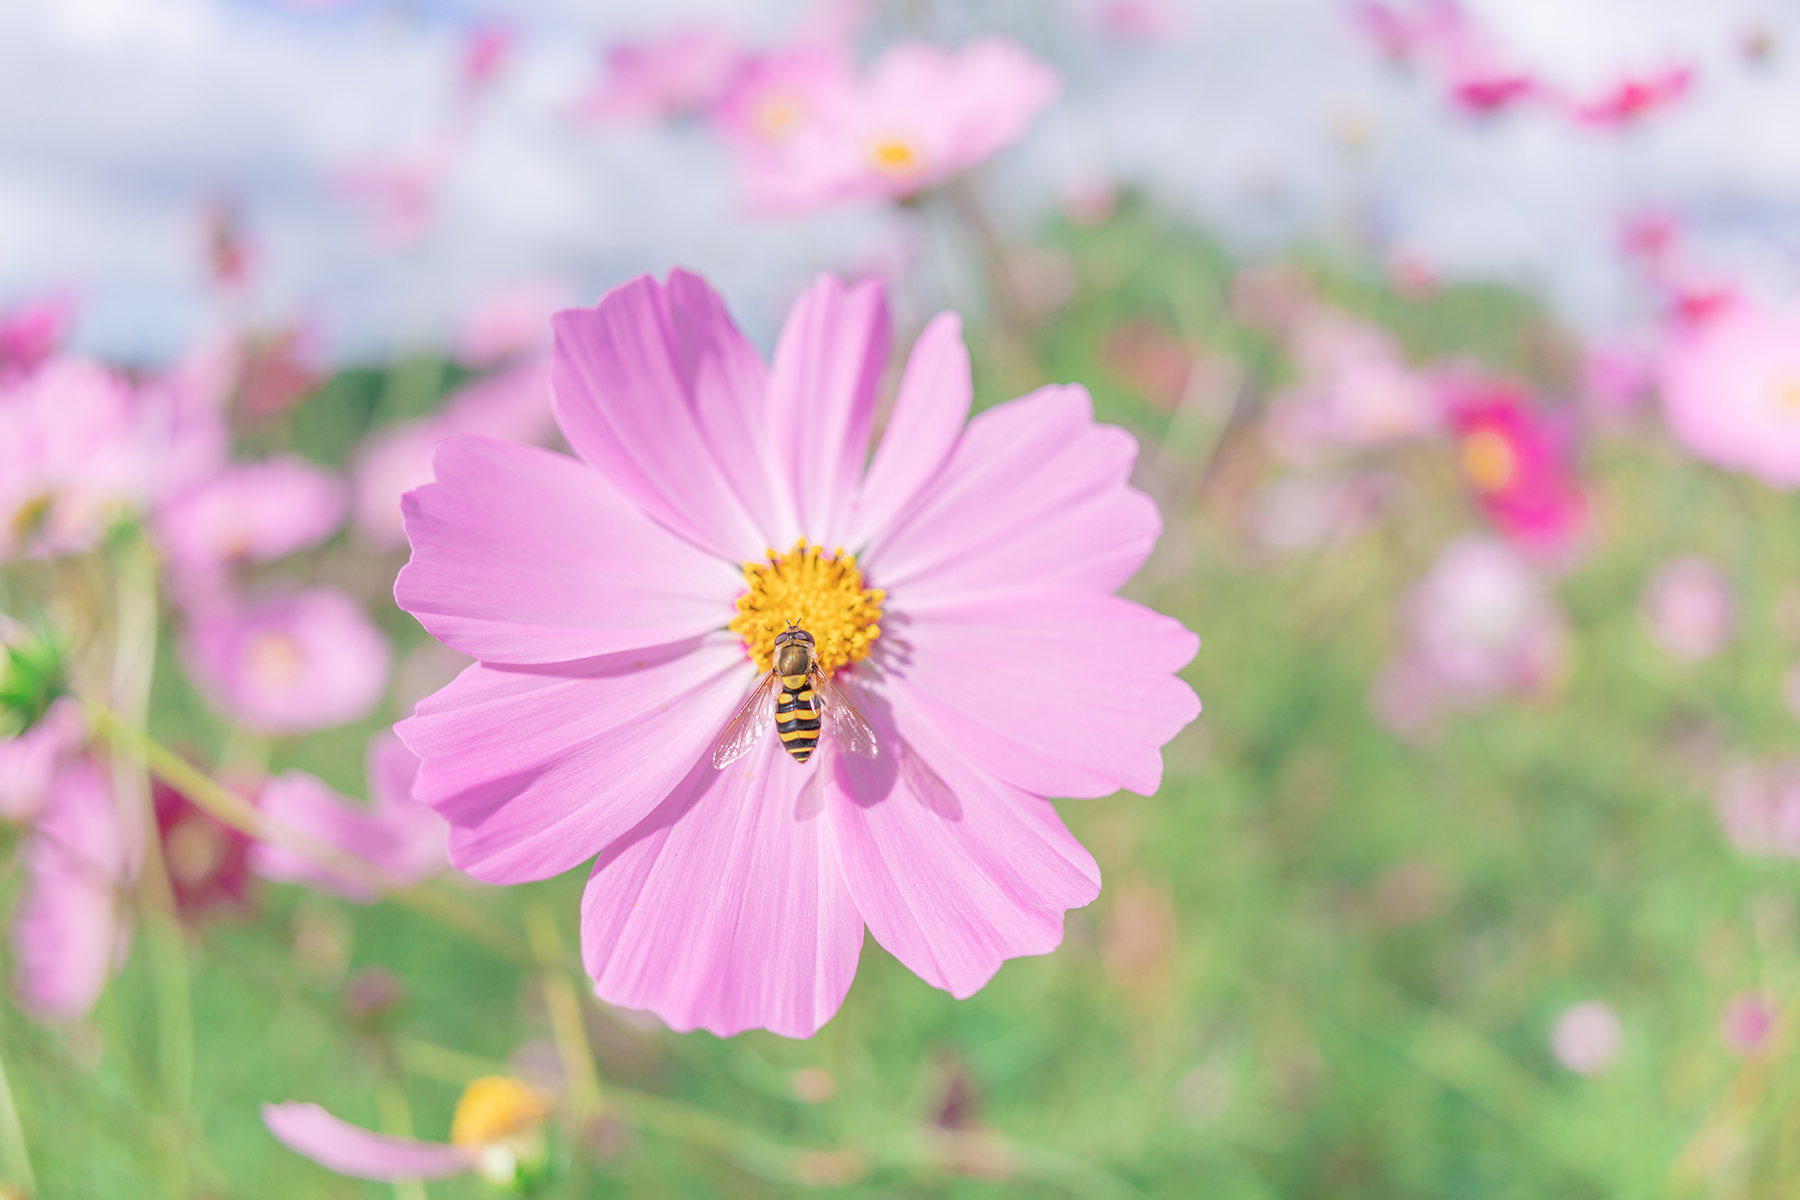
(497,1132)
(208,861)
(1467,59)
(33,332)
(251,512)
(1759,807)
(513,404)
(1517,461)
(680,73)
(1689,609)
(401,838)
(69,930)
(775,97)
(1355,390)
(1731,390)
(1480,625)
(1633,98)
(1587,1037)
(30,761)
(921,115)
(291,664)
(485,51)
(621,604)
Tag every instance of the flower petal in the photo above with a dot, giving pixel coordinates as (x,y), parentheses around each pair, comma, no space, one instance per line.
(725,910)
(638,380)
(1034,497)
(929,412)
(67,931)
(538,768)
(523,555)
(1012,686)
(403,841)
(954,870)
(360,1153)
(823,386)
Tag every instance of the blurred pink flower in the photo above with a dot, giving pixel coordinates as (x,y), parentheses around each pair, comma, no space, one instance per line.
(1466,59)
(30,761)
(401,838)
(1480,625)
(1633,98)
(510,322)
(1617,373)
(485,51)
(1299,512)
(1355,389)
(402,190)
(1747,1022)
(1688,608)
(291,664)
(497,1133)
(1731,390)
(70,928)
(207,860)
(677,74)
(1517,460)
(513,405)
(920,115)
(1138,20)
(33,332)
(778,95)
(596,591)
(1759,807)
(1587,1037)
(250,512)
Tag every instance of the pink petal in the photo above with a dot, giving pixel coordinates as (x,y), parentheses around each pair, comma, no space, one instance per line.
(822,392)
(1011,686)
(638,380)
(67,931)
(1034,497)
(403,841)
(725,910)
(956,876)
(538,768)
(524,555)
(930,410)
(350,1150)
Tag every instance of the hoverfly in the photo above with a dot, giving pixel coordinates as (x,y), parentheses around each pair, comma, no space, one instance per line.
(803,695)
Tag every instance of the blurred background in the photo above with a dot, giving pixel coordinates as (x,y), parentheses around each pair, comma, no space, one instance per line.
(1460,341)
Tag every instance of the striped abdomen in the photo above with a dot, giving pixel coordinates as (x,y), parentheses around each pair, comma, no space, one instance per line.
(797,717)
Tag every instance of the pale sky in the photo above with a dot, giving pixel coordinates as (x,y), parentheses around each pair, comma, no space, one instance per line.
(120,119)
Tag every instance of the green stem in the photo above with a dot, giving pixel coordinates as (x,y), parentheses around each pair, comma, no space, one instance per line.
(233,810)
(15,1157)
(565,1013)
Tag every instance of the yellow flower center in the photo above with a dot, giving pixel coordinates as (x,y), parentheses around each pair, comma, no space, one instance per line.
(894,155)
(274,661)
(778,116)
(1785,396)
(1487,460)
(823,595)
(494,1108)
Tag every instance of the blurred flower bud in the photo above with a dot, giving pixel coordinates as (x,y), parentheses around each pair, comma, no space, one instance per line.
(371,994)
(1586,1038)
(33,673)
(1748,1020)
(1688,609)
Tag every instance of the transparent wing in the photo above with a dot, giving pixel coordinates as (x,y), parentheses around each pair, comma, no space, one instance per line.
(748,726)
(847,725)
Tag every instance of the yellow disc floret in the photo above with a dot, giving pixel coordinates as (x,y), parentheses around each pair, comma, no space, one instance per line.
(823,595)
(1488,460)
(495,1108)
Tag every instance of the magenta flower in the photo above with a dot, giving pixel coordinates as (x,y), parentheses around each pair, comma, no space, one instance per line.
(208,861)
(1747,1022)
(679,74)
(497,1132)
(1517,461)
(251,512)
(920,115)
(31,333)
(1634,97)
(401,838)
(1731,390)
(622,604)
(69,929)
(513,404)
(290,664)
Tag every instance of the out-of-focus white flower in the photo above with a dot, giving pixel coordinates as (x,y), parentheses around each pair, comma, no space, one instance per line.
(1587,1037)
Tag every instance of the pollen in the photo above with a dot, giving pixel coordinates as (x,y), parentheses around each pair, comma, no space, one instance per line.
(822,594)
(1488,460)
(494,1108)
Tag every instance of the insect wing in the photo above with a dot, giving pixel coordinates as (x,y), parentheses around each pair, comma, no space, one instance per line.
(847,725)
(748,726)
